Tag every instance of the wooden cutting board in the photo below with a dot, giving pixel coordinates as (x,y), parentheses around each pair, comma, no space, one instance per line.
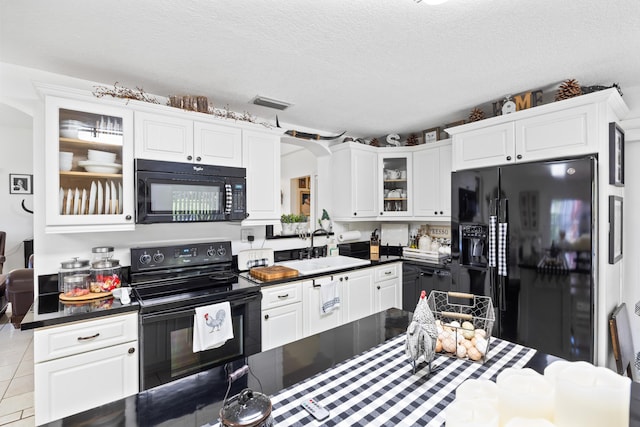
(274,272)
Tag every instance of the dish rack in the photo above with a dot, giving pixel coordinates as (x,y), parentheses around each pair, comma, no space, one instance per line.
(447,308)
(418,254)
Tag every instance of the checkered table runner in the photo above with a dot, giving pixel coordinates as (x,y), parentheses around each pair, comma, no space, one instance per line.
(379,388)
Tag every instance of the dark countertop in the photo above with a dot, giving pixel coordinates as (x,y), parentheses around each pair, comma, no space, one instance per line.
(196,400)
(48,310)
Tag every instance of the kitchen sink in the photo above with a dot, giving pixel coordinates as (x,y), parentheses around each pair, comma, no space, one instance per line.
(324,265)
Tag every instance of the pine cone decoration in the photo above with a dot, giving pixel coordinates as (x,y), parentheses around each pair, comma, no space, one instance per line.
(412,139)
(568,89)
(374,142)
(476,114)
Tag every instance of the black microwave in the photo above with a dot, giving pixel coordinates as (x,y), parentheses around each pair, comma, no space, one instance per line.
(169,192)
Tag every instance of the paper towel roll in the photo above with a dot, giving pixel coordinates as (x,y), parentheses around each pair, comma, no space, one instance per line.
(349,235)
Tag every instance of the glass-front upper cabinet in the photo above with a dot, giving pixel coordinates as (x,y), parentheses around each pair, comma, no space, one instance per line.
(89,166)
(396,190)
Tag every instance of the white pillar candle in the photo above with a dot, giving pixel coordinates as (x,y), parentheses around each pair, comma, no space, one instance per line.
(529,422)
(469,413)
(590,396)
(478,390)
(524,393)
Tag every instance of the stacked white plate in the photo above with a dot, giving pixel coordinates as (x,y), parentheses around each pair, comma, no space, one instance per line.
(101,199)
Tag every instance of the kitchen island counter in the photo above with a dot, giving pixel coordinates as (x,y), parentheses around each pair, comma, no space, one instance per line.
(196,400)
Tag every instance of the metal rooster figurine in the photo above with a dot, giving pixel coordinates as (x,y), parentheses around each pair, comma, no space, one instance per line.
(422,334)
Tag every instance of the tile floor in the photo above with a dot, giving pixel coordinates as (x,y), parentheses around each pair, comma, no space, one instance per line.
(16,376)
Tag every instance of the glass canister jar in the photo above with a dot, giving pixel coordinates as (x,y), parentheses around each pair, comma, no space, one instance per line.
(72,267)
(105,275)
(75,285)
(100,253)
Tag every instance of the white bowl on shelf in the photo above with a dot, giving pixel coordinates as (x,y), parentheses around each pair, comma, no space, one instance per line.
(100,167)
(101,156)
(66,160)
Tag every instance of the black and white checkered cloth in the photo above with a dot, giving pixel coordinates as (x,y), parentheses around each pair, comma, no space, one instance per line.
(502,249)
(259,262)
(379,388)
(493,220)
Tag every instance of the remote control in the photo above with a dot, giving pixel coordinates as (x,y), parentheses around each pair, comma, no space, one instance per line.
(315,409)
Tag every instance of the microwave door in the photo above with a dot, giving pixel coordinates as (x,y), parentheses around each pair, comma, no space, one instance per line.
(166,199)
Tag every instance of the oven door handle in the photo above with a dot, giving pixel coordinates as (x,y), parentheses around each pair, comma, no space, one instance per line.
(179,312)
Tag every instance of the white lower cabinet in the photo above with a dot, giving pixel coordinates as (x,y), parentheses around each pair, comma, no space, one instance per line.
(81,365)
(388,287)
(313,322)
(358,295)
(281,314)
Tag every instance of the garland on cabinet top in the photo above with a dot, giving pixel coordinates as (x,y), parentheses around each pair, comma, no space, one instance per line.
(185,102)
(567,89)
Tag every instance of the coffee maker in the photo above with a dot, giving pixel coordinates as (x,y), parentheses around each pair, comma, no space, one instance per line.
(474,244)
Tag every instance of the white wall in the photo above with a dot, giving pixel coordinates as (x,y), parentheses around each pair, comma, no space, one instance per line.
(16,147)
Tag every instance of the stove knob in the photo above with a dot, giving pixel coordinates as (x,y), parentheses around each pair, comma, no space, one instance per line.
(145,259)
(222,251)
(158,257)
(211,252)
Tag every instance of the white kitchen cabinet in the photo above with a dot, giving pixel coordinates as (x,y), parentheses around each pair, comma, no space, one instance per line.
(358,294)
(281,314)
(82,365)
(395,188)
(354,174)
(432,181)
(281,325)
(312,321)
(87,195)
(261,158)
(525,136)
(388,287)
(178,139)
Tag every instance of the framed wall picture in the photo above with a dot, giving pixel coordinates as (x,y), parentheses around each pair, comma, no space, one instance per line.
(20,184)
(616,155)
(431,135)
(615,229)
(304,202)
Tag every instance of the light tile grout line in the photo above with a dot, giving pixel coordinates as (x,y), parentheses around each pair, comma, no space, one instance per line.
(5,323)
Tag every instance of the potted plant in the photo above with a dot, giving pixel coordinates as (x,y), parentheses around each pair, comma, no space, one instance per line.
(291,222)
(325,221)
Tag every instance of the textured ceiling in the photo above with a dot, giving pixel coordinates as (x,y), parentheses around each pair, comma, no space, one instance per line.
(368,67)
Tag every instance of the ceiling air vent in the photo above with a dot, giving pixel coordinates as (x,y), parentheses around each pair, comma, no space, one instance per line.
(271,103)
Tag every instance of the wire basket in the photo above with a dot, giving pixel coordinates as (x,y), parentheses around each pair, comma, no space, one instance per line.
(464,331)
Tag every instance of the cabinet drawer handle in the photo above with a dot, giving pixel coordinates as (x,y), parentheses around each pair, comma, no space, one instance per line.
(266,317)
(519,156)
(131,350)
(378,287)
(189,158)
(508,157)
(283,296)
(89,338)
(387,272)
(198,158)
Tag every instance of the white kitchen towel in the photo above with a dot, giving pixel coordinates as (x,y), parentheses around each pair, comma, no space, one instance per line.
(502,249)
(493,220)
(329,298)
(212,326)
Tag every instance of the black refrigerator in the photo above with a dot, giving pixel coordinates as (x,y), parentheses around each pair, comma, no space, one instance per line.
(523,235)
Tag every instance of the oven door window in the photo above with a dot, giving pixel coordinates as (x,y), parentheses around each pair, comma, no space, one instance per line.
(186,200)
(168,347)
